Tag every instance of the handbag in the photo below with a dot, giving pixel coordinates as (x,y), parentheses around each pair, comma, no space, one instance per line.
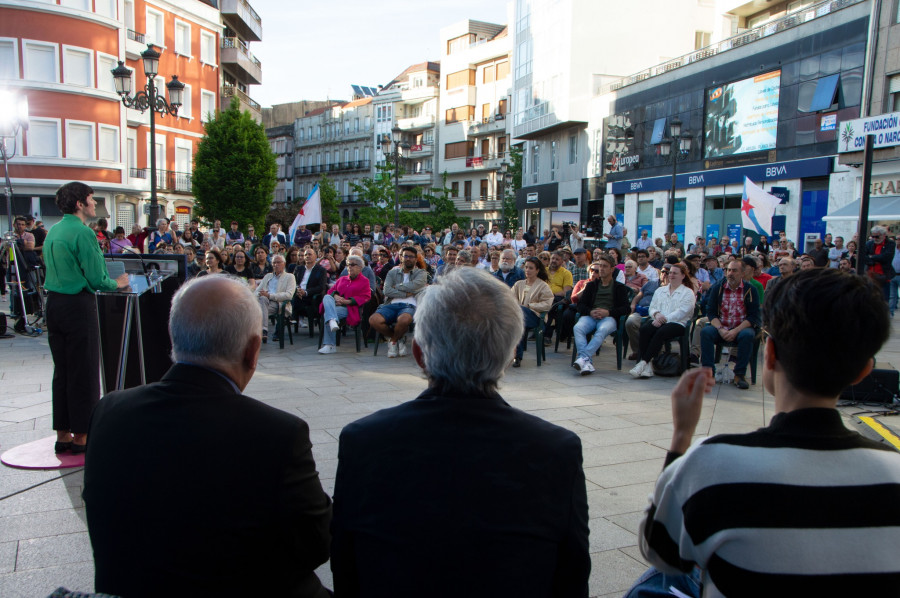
(667,364)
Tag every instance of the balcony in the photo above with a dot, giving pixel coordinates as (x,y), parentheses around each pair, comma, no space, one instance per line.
(487,202)
(134,44)
(487,127)
(241,17)
(354,200)
(416,123)
(169,180)
(349,166)
(235,54)
(421,177)
(487,162)
(246,102)
(418,94)
(421,151)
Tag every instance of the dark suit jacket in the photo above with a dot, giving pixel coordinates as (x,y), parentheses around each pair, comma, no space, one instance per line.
(318,279)
(451,496)
(514,276)
(621,303)
(192,489)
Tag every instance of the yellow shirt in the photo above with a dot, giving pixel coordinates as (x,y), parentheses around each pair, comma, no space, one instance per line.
(562,278)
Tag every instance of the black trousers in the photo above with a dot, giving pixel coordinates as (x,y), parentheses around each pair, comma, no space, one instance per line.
(653,338)
(74,337)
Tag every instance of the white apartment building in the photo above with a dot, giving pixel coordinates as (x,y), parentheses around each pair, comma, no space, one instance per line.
(563,52)
(411,102)
(281,140)
(474,100)
(336,141)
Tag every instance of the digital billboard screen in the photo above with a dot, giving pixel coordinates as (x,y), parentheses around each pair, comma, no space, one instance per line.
(742,117)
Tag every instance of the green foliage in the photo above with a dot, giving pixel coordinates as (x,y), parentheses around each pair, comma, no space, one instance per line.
(509,211)
(443,210)
(234,170)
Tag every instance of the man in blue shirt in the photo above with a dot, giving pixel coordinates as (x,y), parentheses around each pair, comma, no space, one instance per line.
(615,234)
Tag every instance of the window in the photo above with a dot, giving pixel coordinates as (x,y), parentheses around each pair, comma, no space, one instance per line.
(894,90)
(825,95)
(347,127)
(501,107)
(207,47)
(462,113)
(109,143)
(461,149)
(368,122)
(461,78)
(460,43)
(77,67)
(79,140)
(490,74)
(207,105)
(484,189)
(105,65)
(366,154)
(129,15)
(41,61)
(535,149)
(502,70)
(155,33)
(501,146)
(454,189)
(43,138)
(485,113)
(553,163)
(701,39)
(573,148)
(467,190)
(319,131)
(107,8)
(79,4)
(182,38)
(486,148)
(9,59)
(185,110)
(356,125)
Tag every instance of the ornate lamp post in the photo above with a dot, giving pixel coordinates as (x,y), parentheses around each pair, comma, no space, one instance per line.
(396,157)
(681,143)
(151,99)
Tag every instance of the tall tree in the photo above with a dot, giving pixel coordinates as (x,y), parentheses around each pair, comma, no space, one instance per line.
(509,210)
(234,170)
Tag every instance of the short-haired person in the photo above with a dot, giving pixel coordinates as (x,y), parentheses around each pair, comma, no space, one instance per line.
(448,257)
(402,288)
(670,312)
(75,270)
(464,258)
(234,235)
(312,281)
(344,300)
(276,287)
(169,514)
(771,512)
(534,297)
(733,309)
(600,306)
(456,493)
(879,256)
(507,271)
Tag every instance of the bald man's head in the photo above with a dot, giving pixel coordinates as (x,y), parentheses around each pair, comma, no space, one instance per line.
(213,319)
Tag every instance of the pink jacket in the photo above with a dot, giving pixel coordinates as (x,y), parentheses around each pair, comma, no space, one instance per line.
(351,289)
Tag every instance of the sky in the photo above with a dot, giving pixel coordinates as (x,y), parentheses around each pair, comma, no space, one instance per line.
(314,50)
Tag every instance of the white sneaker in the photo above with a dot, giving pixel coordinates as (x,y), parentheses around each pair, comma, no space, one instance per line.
(304,323)
(333,325)
(587,368)
(402,345)
(579,363)
(647,372)
(392,349)
(326,349)
(637,370)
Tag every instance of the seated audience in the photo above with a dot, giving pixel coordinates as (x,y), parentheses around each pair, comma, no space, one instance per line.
(402,287)
(312,282)
(534,297)
(508,272)
(276,287)
(344,300)
(600,306)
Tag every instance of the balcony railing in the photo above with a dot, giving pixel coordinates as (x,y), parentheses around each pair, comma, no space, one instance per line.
(789,21)
(418,122)
(233,42)
(135,36)
(248,24)
(138,173)
(230,91)
(179,181)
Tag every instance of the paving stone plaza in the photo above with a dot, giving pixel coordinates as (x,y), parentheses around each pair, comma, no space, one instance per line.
(624,425)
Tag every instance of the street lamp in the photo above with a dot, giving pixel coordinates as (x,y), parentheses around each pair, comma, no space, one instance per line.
(149,98)
(680,142)
(13,120)
(505,181)
(396,156)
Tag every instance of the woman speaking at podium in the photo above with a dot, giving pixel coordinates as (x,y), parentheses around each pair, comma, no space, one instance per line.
(75,270)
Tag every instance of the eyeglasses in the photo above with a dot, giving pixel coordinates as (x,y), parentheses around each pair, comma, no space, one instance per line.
(595,270)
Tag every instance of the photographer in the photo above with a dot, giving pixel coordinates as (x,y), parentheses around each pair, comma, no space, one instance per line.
(555,240)
(576,236)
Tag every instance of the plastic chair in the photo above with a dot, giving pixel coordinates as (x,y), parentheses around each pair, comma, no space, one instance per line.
(344,327)
(279,318)
(621,343)
(379,337)
(538,339)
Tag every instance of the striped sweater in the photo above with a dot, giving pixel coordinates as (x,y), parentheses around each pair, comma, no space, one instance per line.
(804,507)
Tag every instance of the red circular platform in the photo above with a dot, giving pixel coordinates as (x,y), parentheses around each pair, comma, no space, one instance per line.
(39,455)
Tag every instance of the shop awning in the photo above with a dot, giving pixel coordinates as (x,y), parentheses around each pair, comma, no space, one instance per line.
(880,208)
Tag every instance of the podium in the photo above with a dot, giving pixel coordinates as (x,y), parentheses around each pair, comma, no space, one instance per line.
(134,337)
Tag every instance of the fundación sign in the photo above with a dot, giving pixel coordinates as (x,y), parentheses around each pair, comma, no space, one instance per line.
(885,128)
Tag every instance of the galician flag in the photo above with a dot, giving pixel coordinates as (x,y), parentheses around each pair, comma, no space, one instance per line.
(757,209)
(310,212)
